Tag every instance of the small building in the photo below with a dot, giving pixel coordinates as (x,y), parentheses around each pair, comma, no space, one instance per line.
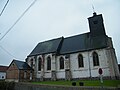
(3,70)
(19,71)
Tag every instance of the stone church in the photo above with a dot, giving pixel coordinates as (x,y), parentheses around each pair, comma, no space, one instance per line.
(76,57)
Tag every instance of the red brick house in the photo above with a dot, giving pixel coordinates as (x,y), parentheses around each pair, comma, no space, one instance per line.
(19,71)
(3,70)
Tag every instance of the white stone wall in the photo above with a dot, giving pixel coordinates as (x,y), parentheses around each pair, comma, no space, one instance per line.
(60,72)
(75,70)
(38,73)
(105,62)
(102,61)
(88,69)
(112,63)
(47,72)
(29,61)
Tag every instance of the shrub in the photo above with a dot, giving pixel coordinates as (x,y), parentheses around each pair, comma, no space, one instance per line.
(10,85)
(3,85)
(73,83)
(6,85)
(81,83)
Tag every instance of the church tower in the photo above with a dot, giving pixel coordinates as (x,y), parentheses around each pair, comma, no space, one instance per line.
(99,37)
(96,25)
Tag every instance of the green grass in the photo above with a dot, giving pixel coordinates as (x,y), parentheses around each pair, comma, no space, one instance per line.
(111,83)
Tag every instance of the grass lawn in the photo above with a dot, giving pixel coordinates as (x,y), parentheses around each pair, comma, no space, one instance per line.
(112,83)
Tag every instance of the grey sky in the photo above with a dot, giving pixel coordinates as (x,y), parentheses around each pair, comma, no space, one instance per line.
(48,19)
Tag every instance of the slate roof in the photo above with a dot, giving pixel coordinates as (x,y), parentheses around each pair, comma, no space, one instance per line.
(51,46)
(77,43)
(22,65)
(3,68)
(83,42)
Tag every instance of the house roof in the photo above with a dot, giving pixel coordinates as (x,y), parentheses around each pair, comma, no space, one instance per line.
(50,46)
(3,68)
(22,65)
(77,43)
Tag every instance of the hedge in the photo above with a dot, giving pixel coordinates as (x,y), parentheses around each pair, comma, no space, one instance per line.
(6,85)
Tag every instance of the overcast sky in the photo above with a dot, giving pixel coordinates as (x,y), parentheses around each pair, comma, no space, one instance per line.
(49,19)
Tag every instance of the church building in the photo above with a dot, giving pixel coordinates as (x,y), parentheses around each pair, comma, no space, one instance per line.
(76,57)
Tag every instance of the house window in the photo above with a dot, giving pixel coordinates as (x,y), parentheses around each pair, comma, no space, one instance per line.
(61,63)
(80,61)
(39,64)
(95,59)
(48,63)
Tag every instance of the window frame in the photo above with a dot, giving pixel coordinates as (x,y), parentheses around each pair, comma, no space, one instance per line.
(80,61)
(95,59)
(39,63)
(61,63)
(48,63)
(31,62)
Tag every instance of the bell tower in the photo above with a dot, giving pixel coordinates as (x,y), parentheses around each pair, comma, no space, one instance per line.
(96,25)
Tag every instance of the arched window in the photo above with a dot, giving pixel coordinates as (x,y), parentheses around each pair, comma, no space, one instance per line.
(61,61)
(48,63)
(95,59)
(80,61)
(31,63)
(39,64)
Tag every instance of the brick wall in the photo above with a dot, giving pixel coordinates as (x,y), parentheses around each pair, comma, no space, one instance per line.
(12,72)
(15,74)
(24,77)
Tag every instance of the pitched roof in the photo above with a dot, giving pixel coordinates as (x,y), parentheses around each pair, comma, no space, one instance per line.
(77,43)
(83,42)
(50,46)
(22,65)
(3,68)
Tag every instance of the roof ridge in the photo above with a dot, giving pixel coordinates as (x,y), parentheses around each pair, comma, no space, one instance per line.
(51,39)
(76,35)
(3,66)
(18,60)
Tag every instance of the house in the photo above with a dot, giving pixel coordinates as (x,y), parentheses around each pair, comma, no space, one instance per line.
(3,70)
(19,71)
(76,57)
